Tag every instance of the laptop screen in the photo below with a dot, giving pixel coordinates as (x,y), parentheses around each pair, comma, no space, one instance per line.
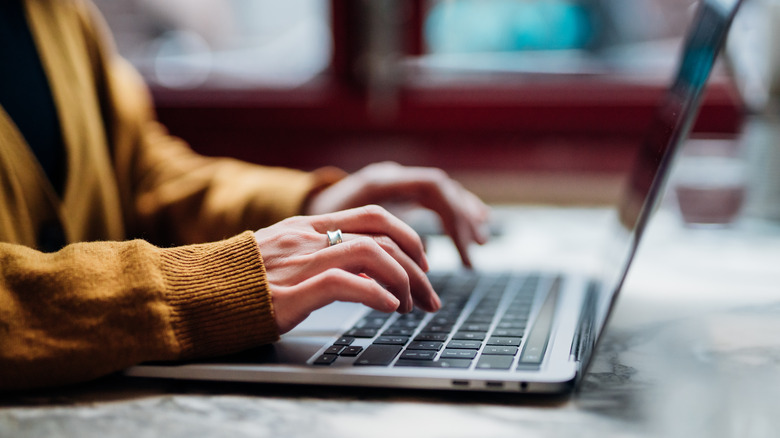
(670,127)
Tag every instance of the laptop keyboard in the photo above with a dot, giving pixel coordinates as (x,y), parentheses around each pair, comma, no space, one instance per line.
(483,324)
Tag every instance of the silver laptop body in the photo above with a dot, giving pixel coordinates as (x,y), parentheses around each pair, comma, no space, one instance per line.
(547,325)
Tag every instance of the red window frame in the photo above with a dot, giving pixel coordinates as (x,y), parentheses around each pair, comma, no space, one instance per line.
(558,125)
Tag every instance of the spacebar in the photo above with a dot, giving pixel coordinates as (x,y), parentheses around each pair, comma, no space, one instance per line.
(378,355)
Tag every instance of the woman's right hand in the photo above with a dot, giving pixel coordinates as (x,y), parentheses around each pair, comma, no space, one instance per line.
(380,263)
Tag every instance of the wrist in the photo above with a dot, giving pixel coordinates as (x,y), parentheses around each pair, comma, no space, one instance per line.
(322,179)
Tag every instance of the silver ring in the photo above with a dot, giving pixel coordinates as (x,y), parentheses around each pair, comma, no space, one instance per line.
(334,237)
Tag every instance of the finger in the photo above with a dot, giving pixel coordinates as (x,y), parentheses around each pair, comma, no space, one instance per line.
(479,215)
(461,234)
(373,219)
(293,304)
(459,210)
(357,255)
(421,289)
(455,204)
(468,222)
(444,197)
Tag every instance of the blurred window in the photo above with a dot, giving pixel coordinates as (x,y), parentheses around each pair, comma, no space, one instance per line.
(567,85)
(223,43)
(554,36)
(466,26)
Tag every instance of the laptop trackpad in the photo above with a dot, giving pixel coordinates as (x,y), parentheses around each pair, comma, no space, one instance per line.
(298,346)
(331,320)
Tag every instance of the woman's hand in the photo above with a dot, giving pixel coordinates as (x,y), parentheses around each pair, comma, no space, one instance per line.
(380,263)
(464,217)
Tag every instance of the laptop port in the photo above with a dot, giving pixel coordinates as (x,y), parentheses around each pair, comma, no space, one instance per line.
(460,383)
(494,384)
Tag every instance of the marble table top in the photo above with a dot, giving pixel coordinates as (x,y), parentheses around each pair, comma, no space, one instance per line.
(692,350)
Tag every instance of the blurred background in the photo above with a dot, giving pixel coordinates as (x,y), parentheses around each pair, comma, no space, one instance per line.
(541,101)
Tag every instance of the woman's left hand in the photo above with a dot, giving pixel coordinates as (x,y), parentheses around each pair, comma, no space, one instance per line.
(464,217)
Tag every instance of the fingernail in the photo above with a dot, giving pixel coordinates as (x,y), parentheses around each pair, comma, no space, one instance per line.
(466,260)
(435,302)
(484,233)
(393,302)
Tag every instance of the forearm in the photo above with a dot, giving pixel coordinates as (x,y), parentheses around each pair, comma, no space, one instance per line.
(95,308)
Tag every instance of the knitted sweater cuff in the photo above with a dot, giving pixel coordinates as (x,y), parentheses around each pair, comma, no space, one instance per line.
(219,297)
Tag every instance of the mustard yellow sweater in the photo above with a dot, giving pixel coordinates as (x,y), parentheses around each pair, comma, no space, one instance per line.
(104,302)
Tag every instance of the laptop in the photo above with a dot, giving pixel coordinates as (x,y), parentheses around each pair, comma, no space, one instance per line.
(521,332)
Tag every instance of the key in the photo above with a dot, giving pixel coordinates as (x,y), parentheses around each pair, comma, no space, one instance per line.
(479,319)
(435,328)
(509,333)
(371,323)
(475,327)
(378,314)
(458,354)
(352,351)
(361,333)
(415,315)
(418,355)
(392,340)
(504,351)
(398,332)
(453,363)
(414,363)
(488,362)
(470,336)
(465,345)
(431,337)
(401,324)
(511,342)
(515,315)
(427,345)
(336,349)
(442,363)
(443,320)
(378,355)
(512,325)
(325,359)
(345,341)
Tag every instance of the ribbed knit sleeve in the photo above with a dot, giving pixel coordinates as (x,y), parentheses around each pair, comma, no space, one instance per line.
(96,308)
(219,297)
